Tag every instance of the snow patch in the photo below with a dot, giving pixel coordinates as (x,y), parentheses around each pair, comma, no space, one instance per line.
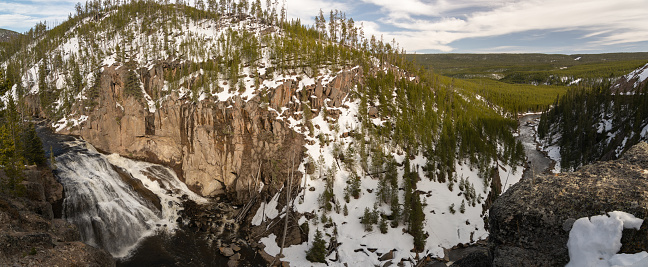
(595,241)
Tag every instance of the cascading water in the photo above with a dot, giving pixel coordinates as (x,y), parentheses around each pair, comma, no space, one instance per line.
(109,212)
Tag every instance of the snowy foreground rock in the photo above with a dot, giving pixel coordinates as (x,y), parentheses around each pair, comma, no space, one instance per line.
(595,241)
(530,223)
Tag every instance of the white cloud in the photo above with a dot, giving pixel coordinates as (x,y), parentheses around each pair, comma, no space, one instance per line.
(405,8)
(306,10)
(433,24)
(615,22)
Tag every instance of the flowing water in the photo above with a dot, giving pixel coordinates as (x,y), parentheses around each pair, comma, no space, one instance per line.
(115,202)
(131,208)
(538,161)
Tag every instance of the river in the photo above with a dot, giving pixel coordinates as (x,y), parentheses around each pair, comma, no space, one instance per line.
(537,161)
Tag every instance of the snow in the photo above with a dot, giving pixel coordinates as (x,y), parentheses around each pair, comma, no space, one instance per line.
(632,260)
(575,82)
(66,123)
(166,186)
(512,177)
(578,58)
(640,74)
(267,210)
(444,229)
(595,241)
(553,152)
(109,61)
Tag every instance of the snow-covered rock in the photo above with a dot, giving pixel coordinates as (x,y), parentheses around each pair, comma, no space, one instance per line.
(530,223)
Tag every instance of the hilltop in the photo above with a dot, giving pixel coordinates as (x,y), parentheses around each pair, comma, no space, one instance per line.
(6,35)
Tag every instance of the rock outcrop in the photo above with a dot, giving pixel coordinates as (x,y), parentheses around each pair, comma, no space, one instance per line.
(32,233)
(530,222)
(216,146)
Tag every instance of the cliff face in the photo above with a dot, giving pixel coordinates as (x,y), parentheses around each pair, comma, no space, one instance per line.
(216,146)
(530,222)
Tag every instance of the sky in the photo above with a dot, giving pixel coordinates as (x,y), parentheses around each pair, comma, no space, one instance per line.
(446,26)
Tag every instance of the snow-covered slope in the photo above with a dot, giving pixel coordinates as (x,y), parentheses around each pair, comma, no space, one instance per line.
(599,123)
(443,228)
(638,76)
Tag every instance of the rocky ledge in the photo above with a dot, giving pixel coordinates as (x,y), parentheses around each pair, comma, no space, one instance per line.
(31,231)
(530,222)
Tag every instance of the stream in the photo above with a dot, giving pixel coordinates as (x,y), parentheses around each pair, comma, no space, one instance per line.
(537,161)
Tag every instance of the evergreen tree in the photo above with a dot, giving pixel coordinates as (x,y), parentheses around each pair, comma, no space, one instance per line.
(317,253)
(133,84)
(33,147)
(462,208)
(416,224)
(407,185)
(383,225)
(366,220)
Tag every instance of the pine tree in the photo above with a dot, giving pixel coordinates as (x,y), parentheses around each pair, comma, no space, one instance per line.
(462,208)
(416,224)
(317,253)
(133,84)
(366,220)
(33,147)
(407,184)
(383,225)
(11,162)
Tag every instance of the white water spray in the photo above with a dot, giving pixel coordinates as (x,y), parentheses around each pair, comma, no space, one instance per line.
(109,213)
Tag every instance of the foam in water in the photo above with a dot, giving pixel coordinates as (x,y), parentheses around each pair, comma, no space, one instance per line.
(109,213)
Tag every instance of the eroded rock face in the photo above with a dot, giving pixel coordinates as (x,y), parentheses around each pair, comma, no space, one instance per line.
(215,146)
(530,222)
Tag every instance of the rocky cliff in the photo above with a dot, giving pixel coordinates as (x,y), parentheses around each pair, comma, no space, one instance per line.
(530,222)
(32,233)
(215,146)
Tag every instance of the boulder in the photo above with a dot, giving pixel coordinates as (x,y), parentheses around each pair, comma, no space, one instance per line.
(530,222)
(373,112)
(236,257)
(227,252)
(387,256)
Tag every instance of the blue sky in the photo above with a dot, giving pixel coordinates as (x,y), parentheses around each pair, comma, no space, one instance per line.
(444,26)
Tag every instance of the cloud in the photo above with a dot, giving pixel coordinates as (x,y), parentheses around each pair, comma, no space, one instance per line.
(406,8)
(623,22)
(306,10)
(438,25)
(21,16)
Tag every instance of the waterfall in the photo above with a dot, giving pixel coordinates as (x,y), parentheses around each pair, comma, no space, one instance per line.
(110,212)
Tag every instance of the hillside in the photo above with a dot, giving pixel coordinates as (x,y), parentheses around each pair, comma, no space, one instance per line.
(598,122)
(245,105)
(6,35)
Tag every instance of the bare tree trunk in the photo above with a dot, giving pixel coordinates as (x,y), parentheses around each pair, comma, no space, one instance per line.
(283,242)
